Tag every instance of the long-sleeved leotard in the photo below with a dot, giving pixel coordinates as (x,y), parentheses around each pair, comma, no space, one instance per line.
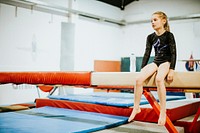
(165,49)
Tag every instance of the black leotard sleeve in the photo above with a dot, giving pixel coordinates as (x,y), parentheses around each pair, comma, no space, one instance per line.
(147,52)
(172,46)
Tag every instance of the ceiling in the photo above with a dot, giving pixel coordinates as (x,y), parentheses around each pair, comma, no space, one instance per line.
(118,3)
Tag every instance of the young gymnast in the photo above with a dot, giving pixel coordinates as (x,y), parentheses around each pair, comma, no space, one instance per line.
(164,63)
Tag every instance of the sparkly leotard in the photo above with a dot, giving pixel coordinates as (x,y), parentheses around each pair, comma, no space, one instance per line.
(165,49)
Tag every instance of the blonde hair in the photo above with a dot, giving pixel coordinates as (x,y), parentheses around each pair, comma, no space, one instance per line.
(162,15)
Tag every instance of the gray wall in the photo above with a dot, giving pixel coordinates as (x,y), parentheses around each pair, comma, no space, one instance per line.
(67,46)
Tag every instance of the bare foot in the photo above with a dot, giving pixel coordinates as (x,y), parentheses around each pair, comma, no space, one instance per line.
(162,119)
(133,114)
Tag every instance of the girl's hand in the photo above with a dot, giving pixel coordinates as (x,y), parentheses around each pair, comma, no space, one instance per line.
(170,75)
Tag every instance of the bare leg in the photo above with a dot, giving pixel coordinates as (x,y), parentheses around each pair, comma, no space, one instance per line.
(162,73)
(138,89)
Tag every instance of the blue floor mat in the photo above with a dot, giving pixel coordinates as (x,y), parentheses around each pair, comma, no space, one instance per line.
(110,99)
(97,98)
(56,120)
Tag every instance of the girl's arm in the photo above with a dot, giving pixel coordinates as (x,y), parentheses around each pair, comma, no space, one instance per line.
(147,52)
(172,45)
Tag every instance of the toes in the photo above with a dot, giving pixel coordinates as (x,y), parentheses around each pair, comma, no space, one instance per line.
(133,114)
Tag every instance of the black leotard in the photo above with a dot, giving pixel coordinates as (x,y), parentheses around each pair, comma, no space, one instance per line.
(165,49)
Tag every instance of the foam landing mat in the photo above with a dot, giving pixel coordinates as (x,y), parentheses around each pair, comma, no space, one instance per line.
(56,120)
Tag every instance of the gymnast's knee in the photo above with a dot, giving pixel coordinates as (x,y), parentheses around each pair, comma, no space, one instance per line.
(159,81)
(139,82)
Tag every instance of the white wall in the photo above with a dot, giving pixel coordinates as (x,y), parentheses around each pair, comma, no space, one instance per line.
(28,40)
(99,42)
(188,40)
(99,8)
(95,40)
(143,9)
(10,94)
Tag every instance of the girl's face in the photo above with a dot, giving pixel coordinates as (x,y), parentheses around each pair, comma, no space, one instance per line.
(157,22)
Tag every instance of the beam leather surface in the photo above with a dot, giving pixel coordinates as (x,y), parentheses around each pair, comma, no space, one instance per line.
(181,79)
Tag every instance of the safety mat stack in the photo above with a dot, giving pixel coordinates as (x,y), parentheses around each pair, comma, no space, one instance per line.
(174,108)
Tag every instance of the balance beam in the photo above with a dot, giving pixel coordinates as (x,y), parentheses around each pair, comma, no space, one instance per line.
(120,80)
(185,80)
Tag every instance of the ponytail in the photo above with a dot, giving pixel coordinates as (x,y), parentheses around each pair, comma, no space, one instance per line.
(166,26)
